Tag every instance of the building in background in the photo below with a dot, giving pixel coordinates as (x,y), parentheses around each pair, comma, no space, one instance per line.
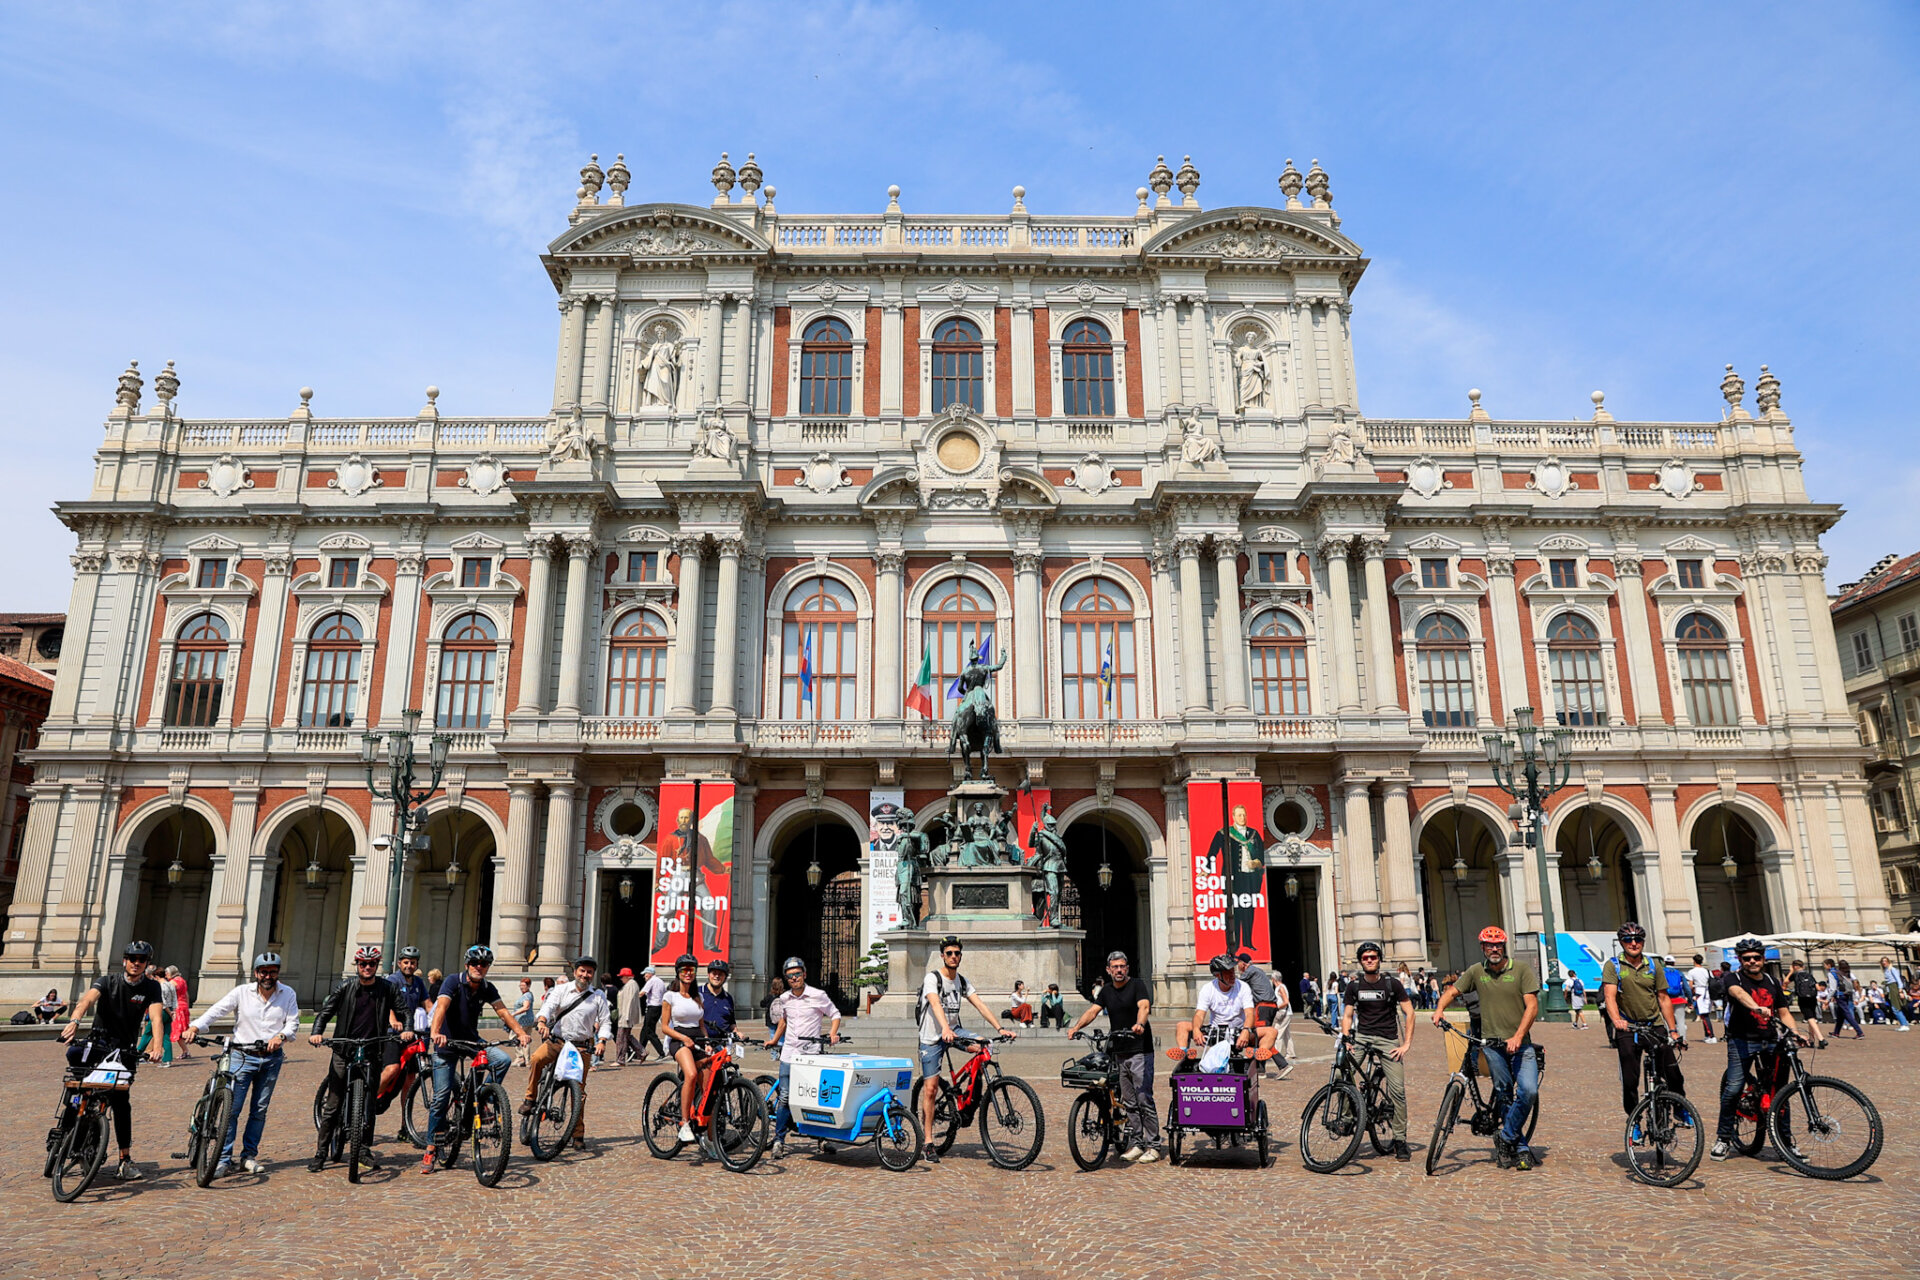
(33,639)
(24,697)
(791,461)
(1877,620)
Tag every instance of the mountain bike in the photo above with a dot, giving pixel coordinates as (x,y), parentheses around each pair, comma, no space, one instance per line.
(729,1114)
(1839,1129)
(412,1090)
(1665,1138)
(1489,1111)
(555,1108)
(1012,1125)
(1353,1101)
(83,1125)
(478,1110)
(1096,1122)
(213,1112)
(352,1138)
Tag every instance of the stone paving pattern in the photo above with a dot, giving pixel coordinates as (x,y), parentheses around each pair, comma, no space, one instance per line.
(617,1210)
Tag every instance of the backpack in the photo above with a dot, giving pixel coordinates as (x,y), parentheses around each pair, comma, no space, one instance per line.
(22,1018)
(1804,987)
(940,985)
(1717,985)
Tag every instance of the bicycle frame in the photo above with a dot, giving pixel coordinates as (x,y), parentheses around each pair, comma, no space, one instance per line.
(966,1079)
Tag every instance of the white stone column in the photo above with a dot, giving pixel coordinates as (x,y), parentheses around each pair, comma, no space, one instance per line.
(685,685)
(710,340)
(1233,644)
(888,645)
(80,606)
(726,625)
(891,356)
(226,920)
(403,631)
(1028,666)
(533,650)
(1193,634)
(1171,374)
(566,364)
(599,374)
(1358,881)
(1810,564)
(1637,633)
(1776,653)
(513,893)
(1677,893)
(268,638)
(1025,373)
(1402,889)
(1383,679)
(1346,683)
(574,641)
(556,887)
(1509,651)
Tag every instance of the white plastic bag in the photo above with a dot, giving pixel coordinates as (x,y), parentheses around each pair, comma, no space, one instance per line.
(1214,1060)
(570,1066)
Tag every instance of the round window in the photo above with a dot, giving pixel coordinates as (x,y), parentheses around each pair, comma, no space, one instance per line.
(49,642)
(1290,819)
(958,451)
(628,820)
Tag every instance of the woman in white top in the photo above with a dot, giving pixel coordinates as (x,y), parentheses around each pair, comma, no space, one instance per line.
(680,1016)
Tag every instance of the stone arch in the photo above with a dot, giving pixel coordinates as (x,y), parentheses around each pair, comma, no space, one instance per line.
(1121,917)
(1761,896)
(174,918)
(310,925)
(1454,909)
(822,926)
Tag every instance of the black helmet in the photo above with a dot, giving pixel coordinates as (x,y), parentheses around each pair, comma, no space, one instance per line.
(479,955)
(1368,945)
(588,961)
(139,951)
(687,960)
(409,953)
(1221,964)
(1631,931)
(720,967)
(1749,945)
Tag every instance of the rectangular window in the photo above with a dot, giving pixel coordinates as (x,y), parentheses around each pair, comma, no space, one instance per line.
(476,571)
(1888,811)
(1909,633)
(1564,574)
(213,575)
(1913,717)
(342,573)
(1862,651)
(1433,573)
(1446,687)
(1692,575)
(643,566)
(1272,566)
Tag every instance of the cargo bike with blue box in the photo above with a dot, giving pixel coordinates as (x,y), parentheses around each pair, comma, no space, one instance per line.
(846,1099)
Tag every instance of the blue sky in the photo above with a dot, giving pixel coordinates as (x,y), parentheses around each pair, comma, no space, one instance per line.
(1555,198)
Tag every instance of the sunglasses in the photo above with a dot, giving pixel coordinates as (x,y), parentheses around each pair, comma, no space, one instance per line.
(954,952)
(479,964)
(365,964)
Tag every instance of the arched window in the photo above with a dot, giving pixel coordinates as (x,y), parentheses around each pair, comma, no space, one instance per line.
(819,634)
(1573,661)
(826,368)
(1279,665)
(1096,652)
(637,667)
(959,613)
(199,673)
(1706,671)
(1446,672)
(1086,370)
(467,660)
(958,366)
(332,682)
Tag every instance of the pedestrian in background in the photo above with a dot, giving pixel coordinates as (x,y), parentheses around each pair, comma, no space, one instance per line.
(1893,986)
(630,1008)
(169,997)
(652,992)
(1841,990)
(522,1011)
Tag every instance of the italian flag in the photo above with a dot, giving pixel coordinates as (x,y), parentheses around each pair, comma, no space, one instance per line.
(920,695)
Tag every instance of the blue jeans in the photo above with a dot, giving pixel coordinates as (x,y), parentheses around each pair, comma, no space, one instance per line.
(1333,1007)
(1519,1072)
(782,1112)
(258,1073)
(1739,1053)
(498,1060)
(1893,1008)
(1845,1013)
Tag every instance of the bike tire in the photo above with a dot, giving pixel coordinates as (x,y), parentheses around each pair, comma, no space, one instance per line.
(193,1134)
(1263,1141)
(899,1137)
(946,1113)
(459,1111)
(1330,1127)
(218,1105)
(1672,1140)
(414,1106)
(660,1117)
(1794,1099)
(1088,1136)
(1750,1121)
(356,1127)
(551,1123)
(1013,1125)
(492,1133)
(1176,1140)
(83,1149)
(1379,1121)
(1449,1115)
(737,1127)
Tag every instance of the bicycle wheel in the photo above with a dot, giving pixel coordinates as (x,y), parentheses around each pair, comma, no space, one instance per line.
(216,1106)
(946,1113)
(492,1133)
(454,1136)
(355,1126)
(414,1104)
(1176,1143)
(83,1149)
(1825,1128)
(1444,1122)
(660,1117)
(1330,1127)
(551,1123)
(1261,1139)
(737,1128)
(1012,1125)
(1750,1121)
(1671,1139)
(899,1137)
(1088,1135)
(1379,1119)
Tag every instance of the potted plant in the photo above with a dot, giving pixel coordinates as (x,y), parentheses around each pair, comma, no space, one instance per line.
(871,977)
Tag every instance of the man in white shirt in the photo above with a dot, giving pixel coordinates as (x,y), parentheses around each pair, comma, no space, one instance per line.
(576,1014)
(941,997)
(1697,979)
(264,1013)
(798,1013)
(1225,1002)
(653,992)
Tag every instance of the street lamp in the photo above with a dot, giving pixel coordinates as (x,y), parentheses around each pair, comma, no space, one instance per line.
(406,798)
(1530,766)
(177,870)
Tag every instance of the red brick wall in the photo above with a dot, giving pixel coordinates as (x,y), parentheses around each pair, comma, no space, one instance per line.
(782,339)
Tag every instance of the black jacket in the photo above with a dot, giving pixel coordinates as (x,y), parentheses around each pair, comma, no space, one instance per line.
(345,999)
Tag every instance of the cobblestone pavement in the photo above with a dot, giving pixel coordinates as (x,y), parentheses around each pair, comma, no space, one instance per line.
(1579,1215)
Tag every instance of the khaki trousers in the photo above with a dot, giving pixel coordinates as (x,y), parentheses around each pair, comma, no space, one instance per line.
(544,1055)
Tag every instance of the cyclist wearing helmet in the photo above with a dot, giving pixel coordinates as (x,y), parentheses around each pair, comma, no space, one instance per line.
(456,1016)
(577,1014)
(121,1003)
(367,1006)
(941,994)
(1380,1004)
(716,1002)
(1509,992)
(798,1014)
(681,1015)
(412,987)
(1754,1000)
(263,1012)
(1633,988)
(1224,1002)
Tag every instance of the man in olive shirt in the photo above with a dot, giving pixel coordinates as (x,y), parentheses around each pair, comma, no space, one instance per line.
(1509,992)
(1634,989)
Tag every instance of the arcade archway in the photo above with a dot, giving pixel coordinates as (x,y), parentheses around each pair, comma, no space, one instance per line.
(1597,890)
(174,874)
(819,923)
(447,914)
(1114,917)
(1459,849)
(309,903)
(1728,875)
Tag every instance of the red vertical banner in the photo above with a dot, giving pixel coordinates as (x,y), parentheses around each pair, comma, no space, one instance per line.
(1228,851)
(1032,803)
(693,872)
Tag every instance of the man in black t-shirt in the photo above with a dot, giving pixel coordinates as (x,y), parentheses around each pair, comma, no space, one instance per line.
(1754,1000)
(367,1007)
(120,1003)
(1384,1010)
(1127,1003)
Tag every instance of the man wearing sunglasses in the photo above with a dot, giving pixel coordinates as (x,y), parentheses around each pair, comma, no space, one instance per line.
(456,1016)
(1754,1000)
(367,1006)
(941,997)
(265,1013)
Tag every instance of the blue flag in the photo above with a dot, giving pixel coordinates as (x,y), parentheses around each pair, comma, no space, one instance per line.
(806,669)
(1106,676)
(981,653)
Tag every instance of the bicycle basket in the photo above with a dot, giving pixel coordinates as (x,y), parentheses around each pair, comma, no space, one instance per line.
(1089,1072)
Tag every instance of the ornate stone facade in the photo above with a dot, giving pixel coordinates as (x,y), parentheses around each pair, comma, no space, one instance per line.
(1128,451)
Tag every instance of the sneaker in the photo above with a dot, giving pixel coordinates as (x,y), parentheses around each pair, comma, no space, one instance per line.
(1682,1120)
(252,1165)
(1401,1151)
(931,1155)
(778,1151)
(1286,1069)
(1710,1040)
(1722,1150)
(526,1107)
(426,1161)
(579,1143)
(1132,1153)
(1633,1135)
(1502,1154)
(129,1172)
(369,1163)
(685,1134)
(1149,1155)
(224,1169)
(1523,1157)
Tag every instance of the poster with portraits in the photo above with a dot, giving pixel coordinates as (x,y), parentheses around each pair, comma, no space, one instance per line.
(1229,869)
(885,807)
(693,872)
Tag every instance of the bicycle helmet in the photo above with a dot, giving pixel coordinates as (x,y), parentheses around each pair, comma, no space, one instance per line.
(1493,933)
(139,951)
(368,952)
(588,961)
(687,960)
(478,955)
(1220,964)
(409,953)
(720,967)
(792,963)
(267,960)
(1749,945)
(1367,946)
(1631,932)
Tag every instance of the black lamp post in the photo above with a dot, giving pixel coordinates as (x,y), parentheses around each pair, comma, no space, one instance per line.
(1531,765)
(406,798)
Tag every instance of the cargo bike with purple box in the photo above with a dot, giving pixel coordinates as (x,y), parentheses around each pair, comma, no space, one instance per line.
(1222,1107)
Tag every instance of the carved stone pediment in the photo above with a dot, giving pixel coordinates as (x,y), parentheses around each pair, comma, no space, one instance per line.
(656,231)
(1252,234)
